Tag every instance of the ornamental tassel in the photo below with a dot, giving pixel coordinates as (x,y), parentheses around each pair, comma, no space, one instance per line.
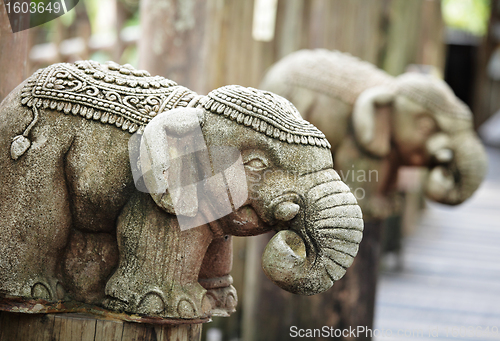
(21,143)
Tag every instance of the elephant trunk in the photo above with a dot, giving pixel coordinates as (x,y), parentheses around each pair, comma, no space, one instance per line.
(454,183)
(320,245)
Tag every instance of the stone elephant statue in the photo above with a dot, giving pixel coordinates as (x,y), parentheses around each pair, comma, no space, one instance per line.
(375,124)
(412,119)
(121,191)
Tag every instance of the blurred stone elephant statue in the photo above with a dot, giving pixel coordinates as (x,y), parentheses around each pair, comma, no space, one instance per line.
(411,120)
(375,124)
(121,191)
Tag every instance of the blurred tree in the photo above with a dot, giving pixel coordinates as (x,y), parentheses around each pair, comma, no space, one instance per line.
(172,37)
(487,85)
(13,56)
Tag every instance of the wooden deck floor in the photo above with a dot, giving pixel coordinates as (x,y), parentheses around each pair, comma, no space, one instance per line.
(449,288)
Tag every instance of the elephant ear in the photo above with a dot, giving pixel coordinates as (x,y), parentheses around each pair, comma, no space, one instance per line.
(371,119)
(168,159)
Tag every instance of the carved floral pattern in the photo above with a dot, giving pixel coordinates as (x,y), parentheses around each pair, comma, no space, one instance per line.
(264,112)
(111,93)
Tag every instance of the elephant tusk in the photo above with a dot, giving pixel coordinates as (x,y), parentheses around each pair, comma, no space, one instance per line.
(439,184)
(286,211)
(444,155)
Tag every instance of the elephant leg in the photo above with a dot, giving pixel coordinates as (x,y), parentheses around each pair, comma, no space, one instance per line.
(35,214)
(214,276)
(33,232)
(159,264)
(89,260)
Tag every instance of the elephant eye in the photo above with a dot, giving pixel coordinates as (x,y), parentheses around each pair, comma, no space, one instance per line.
(256,164)
(426,125)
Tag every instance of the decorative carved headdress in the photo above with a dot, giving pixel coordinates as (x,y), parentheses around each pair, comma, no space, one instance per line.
(264,112)
(433,94)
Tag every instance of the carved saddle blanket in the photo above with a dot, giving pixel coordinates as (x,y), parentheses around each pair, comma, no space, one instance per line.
(111,93)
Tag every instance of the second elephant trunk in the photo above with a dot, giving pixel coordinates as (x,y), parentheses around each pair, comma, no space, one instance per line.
(456,182)
(320,245)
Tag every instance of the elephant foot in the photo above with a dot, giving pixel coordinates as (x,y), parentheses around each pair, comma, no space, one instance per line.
(152,303)
(49,292)
(114,304)
(187,302)
(45,288)
(223,301)
(222,295)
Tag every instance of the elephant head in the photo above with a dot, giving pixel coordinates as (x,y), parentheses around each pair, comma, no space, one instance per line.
(427,126)
(287,182)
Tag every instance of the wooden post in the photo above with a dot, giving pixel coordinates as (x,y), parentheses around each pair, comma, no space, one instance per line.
(13,56)
(486,89)
(172,41)
(403,32)
(77,327)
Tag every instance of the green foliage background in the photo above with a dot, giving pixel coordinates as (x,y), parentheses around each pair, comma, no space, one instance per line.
(468,15)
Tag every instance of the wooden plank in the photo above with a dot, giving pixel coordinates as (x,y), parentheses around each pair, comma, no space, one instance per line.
(131,332)
(8,320)
(108,330)
(233,47)
(368,45)
(451,274)
(76,327)
(25,327)
(44,327)
(350,33)
(182,333)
